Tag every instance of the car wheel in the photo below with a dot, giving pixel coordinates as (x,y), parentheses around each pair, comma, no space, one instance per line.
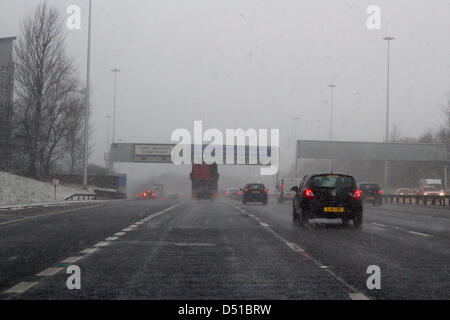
(295,216)
(358,220)
(304,217)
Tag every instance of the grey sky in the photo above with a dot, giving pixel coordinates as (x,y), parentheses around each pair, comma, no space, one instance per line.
(257,64)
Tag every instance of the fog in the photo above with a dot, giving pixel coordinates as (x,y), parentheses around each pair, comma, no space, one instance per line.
(256,64)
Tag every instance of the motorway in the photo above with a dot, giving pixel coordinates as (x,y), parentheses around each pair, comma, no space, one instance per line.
(222,250)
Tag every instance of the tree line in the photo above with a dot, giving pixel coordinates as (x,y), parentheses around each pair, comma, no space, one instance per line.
(48,113)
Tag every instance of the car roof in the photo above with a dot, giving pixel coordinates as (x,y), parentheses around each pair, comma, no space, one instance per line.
(330,173)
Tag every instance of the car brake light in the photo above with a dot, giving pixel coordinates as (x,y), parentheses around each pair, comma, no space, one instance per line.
(357,195)
(239,192)
(246,189)
(380,192)
(265,190)
(282,186)
(153,194)
(309,194)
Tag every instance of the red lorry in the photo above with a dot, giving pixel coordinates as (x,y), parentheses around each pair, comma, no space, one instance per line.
(204,180)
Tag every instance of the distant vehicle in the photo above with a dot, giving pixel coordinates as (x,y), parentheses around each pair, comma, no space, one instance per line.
(329,196)
(204,180)
(431,187)
(284,186)
(406,191)
(144,196)
(157,191)
(371,192)
(255,192)
(233,193)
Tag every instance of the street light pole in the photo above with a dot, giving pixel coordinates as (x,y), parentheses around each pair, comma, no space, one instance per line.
(386,164)
(107,141)
(331,86)
(295,140)
(86,116)
(115,70)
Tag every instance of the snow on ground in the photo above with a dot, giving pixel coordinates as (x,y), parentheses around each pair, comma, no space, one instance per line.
(15,190)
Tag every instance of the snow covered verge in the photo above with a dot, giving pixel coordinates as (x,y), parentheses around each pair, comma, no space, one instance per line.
(16,190)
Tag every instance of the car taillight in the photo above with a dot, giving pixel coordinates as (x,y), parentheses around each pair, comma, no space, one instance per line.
(239,192)
(145,194)
(282,186)
(309,194)
(246,190)
(227,193)
(265,190)
(153,194)
(380,192)
(356,195)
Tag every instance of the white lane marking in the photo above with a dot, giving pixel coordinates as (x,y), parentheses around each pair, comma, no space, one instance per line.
(139,222)
(89,250)
(420,234)
(358,296)
(295,247)
(119,234)
(379,225)
(353,292)
(71,259)
(49,272)
(134,226)
(48,214)
(111,238)
(128,229)
(265,225)
(101,244)
(21,287)
(403,230)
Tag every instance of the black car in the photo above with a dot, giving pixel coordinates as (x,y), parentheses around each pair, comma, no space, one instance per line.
(254,192)
(371,192)
(329,196)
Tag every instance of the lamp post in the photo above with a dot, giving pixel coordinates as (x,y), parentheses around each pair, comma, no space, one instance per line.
(386,164)
(107,141)
(331,86)
(295,140)
(86,115)
(115,70)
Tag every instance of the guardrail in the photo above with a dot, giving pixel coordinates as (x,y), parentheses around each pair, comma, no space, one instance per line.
(84,196)
(417,199)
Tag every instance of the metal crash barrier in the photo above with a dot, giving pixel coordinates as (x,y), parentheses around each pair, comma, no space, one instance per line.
(417,200)
(81,196)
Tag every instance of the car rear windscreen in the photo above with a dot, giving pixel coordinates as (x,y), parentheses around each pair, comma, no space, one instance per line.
(255,187)
(332,181)
(369,187)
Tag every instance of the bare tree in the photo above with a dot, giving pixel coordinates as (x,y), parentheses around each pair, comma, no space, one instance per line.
(45,88)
